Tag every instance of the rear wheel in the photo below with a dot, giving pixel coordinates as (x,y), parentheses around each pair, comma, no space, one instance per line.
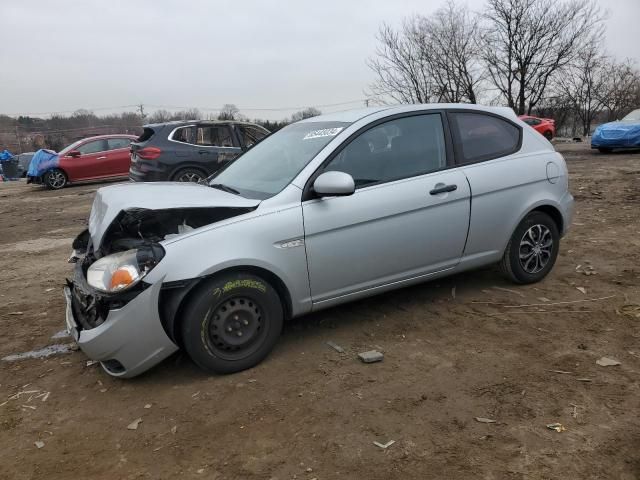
(604,150)
(232,322)
(189,175)
(532,249)
(55,179)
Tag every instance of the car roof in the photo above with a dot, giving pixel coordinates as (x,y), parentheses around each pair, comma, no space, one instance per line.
(200,122)
(111,135)
(352,116)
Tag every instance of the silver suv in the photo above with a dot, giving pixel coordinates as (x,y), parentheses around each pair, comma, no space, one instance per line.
(325,211)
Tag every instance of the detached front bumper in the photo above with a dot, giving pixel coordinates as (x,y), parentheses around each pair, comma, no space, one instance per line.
(131,338)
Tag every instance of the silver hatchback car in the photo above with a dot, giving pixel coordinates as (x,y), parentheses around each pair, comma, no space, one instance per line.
(325,211)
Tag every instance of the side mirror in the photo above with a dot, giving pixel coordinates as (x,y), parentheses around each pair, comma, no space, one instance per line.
(334,184)
(74,154)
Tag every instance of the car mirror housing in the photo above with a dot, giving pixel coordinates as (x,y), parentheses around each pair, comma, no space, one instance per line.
(334,184)
(74,154)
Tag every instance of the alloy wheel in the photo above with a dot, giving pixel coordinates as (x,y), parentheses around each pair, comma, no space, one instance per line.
(536,248)
(190,177)
(57,179)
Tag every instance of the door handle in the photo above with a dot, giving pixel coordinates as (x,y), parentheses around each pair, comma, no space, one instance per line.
(101,158)
(443,189)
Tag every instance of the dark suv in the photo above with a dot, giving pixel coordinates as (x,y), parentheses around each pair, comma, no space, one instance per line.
(188,151)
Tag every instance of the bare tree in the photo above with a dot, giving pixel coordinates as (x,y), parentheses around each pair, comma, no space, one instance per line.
(160,116)
(584,84)
(229,112)
(400,65)
(526,42)
(622,89)
(453,53)
(306,113)
(430,59)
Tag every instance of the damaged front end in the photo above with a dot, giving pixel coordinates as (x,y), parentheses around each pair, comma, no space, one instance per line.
(112,312)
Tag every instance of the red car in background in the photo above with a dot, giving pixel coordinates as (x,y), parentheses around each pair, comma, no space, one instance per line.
(93,158)
(546,126)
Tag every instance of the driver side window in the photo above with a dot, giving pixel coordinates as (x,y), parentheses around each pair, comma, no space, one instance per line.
(401,148)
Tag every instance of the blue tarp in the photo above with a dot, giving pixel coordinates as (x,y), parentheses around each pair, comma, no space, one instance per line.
(5,155)
(42,161)
(616,135)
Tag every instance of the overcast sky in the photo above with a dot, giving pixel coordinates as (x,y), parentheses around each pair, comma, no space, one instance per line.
(62,55)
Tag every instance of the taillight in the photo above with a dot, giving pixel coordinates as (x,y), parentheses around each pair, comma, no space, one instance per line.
(149,153)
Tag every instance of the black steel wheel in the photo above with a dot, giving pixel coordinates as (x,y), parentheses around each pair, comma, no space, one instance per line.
(232,322)
(532,249)
(55,179)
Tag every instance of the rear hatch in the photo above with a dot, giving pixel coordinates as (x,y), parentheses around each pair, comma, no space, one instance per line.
(141,148)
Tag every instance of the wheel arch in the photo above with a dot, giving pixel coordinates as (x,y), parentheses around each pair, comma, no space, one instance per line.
(553,212)
(175,295)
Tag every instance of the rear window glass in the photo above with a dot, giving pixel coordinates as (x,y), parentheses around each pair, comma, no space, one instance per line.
(483,137)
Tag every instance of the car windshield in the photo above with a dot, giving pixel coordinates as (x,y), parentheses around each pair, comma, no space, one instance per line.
(272,164)
(67,149)
(632,117)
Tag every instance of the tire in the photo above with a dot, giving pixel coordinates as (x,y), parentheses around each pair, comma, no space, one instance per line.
(604,150)
(55,179)
(222,311)
(535,229)
(189,175)
(548,135)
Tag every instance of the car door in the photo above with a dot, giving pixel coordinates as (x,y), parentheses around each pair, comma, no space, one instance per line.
(91,162)
(407,218)
(216,146)
(118,156)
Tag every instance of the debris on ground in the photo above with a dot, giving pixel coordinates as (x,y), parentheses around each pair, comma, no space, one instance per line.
(371,356)
(16,313)
(134,425)
(558,427)
(484,420)
(607,362)
(91,362)
(582,290)
(508,290)
(148,405)
(630,310)
(42,353)
(39,443)
(586,270)
(335,346)
(384,446)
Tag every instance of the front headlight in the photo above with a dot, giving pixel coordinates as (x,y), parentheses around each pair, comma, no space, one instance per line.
(123,270)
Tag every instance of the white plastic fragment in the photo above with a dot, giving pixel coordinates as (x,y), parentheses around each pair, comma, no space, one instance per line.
(384,446)
(134,425)
(39,443)
(607,362)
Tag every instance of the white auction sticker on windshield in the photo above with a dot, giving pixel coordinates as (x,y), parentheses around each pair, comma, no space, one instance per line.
(325,132)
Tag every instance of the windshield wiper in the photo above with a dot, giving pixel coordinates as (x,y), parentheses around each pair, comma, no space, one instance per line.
(225,188)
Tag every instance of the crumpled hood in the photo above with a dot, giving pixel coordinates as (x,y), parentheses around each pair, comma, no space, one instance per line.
(110,201)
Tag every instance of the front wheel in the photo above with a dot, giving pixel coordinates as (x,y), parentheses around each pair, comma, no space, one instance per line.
(232,322)
(532,249)
(55,179)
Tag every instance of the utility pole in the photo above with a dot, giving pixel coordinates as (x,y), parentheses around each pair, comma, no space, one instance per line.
(19,141)
(141,110)
(366,102)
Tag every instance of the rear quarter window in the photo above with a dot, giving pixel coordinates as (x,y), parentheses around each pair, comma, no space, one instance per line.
(482,137)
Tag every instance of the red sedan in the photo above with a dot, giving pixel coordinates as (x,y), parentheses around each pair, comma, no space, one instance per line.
(546,126)
(93,158)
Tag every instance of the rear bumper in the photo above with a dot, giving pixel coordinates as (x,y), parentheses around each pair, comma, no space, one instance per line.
(567,205)
(143,171)
(130,340)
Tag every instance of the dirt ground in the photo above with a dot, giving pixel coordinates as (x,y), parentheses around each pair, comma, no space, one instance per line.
(455,349)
